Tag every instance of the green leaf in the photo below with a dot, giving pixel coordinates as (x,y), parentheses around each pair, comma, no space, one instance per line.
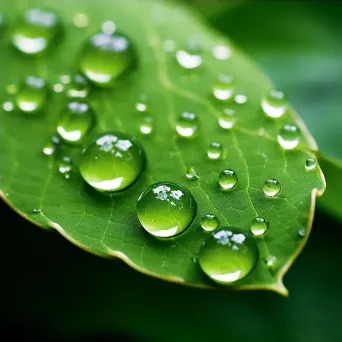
(108,226)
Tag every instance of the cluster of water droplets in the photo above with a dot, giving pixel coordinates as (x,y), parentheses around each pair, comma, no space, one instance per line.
(113,161)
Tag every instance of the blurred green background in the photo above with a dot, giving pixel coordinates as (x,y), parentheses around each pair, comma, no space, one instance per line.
(53,291)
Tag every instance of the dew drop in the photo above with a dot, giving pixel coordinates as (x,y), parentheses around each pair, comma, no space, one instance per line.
(271,262)
(80,20)
(259,226)
(187,124)
(65,79)
(58,87)
(227,118)
(191,174)
(146,127)
(32,95)
(106,57)
(142,104)
(11,89)
(51,146)
(301,233)
(224,87)
(221,52)
(190,56)
(36,211)
(108,27)
(274,104)
(166,209)
(65,166)
(228,255)
(289,136)
(112,162)
(271,187)
(240,99)
(36,31)
(209,222)
(8,106)
(78,87)
(76,121)
(310,164)
(228,179)
(214,150)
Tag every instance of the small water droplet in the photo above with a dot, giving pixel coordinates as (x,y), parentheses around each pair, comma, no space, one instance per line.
(271,187)
(228,254)
(108,27)
(187,124)
(58,87)
(146,126)
(240,98)
(209,222)
(289,136)
(32,95)
(11,89)
(191,174)
(65,166)
(271,262)
(166,209)
(80,20)
(310,164)
(36,211)
(190,56)
(65,79)
(142,104)
(259,226)
(51,146)
(301,233)
(274,104)
(106,57)
(76,121)
(214,150)
(221,52)
(224,87)
(228,179)
(169,45)
(36,31)
(8,106)
(112,162)
(227,118)
(78,87)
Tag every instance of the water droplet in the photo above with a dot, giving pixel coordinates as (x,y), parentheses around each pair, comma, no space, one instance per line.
(221,52)
(65,79)
(51,146)
(271,262)
(146,126)
(65,166)
(58,87)
(271,187)
(108,27)
(11,89)
(80,20)
(8,106)
(106,57)
(240,98)
(259,226)
(228,254)
(169,46)
(190,56)
(78,87)
(310,164)
(112,162)
(301,233)
(187,124)
(224,87)
(227,118)
(209,222)
(76,121)
(32,95)
(142,104)
(214,150)
(36,211)
(36,31)
(191,174)
(166,209)
(274,104)
(228,179)
(289,136)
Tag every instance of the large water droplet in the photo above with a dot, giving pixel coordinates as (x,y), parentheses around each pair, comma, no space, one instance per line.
(190,56)
(209,222)
(221,52)
(78,87)
(228,255)
(106,57)
(187,124)
(271,187)
(224,87)
(227,118)
(112,162)
(32,95)
(51,146)
(228,179)
(289,136)
(274,104)
(214,150)
(191,174)
(76,121)
(36,31)
(310,164)
(166,209)
(146,126)
(259,226)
